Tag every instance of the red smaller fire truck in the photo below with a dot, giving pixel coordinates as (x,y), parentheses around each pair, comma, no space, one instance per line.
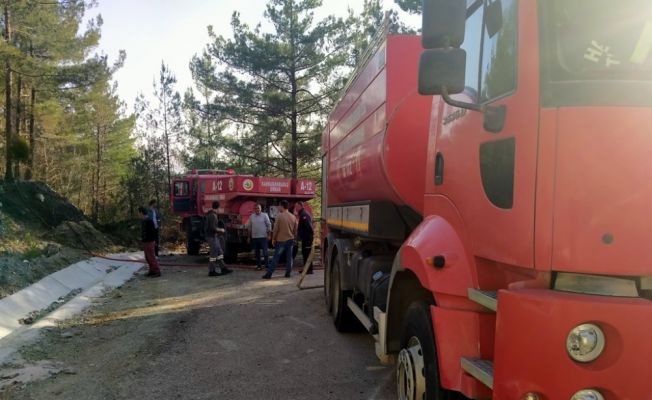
(192,196)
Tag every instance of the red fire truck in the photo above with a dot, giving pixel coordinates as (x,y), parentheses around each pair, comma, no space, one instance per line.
(193,194)
(494,238)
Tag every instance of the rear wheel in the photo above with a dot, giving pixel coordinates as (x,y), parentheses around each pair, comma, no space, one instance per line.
(343,317)
(230,252)
(327,285)
(192,241)
(417,373)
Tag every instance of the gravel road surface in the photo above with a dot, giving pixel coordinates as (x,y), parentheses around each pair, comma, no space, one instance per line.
(188,336)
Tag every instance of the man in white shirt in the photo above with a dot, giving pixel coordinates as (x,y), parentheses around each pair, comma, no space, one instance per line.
(259,227)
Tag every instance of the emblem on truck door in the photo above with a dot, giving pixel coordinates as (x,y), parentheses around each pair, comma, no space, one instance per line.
(248,185)
(455,115)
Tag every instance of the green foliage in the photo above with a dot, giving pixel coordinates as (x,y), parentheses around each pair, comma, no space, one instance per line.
(411,6)
(63,119)
(19,149)
(274,87)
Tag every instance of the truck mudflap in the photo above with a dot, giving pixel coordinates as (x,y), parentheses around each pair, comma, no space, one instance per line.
(531,346)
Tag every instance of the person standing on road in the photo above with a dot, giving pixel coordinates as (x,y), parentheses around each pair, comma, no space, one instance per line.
(282,239)
(259,227)
(148,237)
(216,266)
(155,216)
(305,233)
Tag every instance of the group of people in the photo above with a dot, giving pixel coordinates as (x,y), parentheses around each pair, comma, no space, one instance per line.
(287,229)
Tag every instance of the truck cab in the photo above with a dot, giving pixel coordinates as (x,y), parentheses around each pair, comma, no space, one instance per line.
(529,273)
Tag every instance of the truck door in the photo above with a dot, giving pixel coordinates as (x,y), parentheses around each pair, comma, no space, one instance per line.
(181,196)
(490,177)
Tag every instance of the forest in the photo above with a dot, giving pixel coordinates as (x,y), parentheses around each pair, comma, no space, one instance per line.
(259,102)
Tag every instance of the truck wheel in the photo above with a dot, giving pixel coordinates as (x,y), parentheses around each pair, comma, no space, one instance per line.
(192,245)
(230,253)
(192,248)
(343,317)
(417,373)
(328,289)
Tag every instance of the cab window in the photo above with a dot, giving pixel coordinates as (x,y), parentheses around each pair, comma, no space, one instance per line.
(499,56)
(181,189)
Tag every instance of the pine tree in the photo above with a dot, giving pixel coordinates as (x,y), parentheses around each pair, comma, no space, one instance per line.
(166,117)
(42,54)
(275,87)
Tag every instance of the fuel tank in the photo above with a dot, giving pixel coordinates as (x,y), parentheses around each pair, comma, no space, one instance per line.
(377,135)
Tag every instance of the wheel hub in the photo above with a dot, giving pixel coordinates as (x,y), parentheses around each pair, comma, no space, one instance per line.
(410,371)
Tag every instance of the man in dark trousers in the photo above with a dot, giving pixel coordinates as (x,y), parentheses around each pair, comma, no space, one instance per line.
(283,234)
(216,266)
(155,216)
(148,237)
(259,227)
(305,234)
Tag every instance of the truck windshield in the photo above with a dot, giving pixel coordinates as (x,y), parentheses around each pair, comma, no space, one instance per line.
(598,40)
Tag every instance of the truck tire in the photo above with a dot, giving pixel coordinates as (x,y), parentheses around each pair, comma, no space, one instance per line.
(417,373)
(230,252)
(192,244)
(343,317)
(328,285)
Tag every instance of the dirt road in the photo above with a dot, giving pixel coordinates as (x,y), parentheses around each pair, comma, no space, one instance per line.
(187,336)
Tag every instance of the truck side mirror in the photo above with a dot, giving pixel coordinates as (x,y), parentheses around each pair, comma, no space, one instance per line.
(443,23)
(442,71)
(494,17)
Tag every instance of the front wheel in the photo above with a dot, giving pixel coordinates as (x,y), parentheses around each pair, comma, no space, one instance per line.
(417,373)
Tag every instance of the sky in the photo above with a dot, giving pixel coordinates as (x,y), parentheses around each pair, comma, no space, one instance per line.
(151,31)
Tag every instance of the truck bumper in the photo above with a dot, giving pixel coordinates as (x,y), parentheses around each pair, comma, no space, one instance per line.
(530,353)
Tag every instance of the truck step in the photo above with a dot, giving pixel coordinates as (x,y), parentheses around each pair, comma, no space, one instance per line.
(486,298)
(366,322)
(482,370)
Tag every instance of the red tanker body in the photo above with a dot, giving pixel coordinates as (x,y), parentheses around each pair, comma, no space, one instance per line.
(492,235)
(371,157)
(193,195)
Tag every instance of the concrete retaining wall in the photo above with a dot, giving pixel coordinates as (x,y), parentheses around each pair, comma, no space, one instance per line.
(82,275)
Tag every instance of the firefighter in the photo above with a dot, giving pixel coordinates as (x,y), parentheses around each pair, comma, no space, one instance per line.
(305,233)
(216,266)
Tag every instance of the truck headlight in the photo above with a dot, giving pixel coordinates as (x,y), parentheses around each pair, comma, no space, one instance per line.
(585,343)
(587,395)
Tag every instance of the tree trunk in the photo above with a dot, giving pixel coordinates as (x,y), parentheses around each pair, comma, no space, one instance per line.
(294,118)
(96,179)
(167,138)
(17,116)
(29,173)
(8,83)
(19,105)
